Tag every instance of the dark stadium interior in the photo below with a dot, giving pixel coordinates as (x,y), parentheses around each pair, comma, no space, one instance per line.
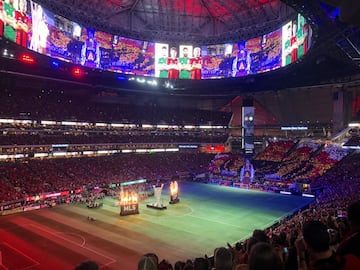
(76,133)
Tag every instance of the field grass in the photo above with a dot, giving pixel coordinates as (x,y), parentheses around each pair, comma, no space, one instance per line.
(207,217)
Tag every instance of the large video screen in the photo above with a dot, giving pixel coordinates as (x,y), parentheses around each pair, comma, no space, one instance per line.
(32,26)
(296,40)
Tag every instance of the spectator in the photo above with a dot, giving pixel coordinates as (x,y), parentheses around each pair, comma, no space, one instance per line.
(165,265)
(351,242)
(179,265)
(87,265)
(201,264)
(188,266)
(147,263)
(316,239)
(264,257)
(260,236)
(223,259)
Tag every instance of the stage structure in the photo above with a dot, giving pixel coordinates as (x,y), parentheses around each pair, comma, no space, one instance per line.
(174,192)
(129,202)
(157,194)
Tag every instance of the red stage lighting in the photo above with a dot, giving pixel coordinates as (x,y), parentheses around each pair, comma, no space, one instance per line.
(26,58)
(78,72)
(215,148)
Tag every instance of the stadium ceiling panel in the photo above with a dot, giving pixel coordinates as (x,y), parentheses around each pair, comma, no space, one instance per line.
(195,21)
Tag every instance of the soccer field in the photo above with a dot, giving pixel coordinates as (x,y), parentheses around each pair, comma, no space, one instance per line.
(207,216)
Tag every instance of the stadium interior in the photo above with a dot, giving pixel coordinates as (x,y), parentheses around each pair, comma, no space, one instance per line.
(76,131)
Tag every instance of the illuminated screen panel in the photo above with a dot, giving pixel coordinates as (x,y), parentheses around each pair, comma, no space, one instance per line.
(217,61)
(253,56)
(161,56)
(29,25)
(268,55)
(41,23)
(296,40)
(177,62)
(185,58)
(133,56)
(15,21)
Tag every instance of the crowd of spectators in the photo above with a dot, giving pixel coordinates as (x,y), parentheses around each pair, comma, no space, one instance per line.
(66,137)
(63,105)
(324,226)
(305,163)
(281,243)
(278,164)
(29,178)
(326,235)
(322,161)
(353,141)
(226,164)
(275,151)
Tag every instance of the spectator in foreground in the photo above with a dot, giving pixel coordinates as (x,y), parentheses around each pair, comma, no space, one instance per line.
(316,241)
(87,265)
(351,242)
(264,257)
(147,263)
(201,264)
(223,259)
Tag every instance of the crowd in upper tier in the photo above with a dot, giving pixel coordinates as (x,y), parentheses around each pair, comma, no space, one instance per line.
(49,138)
(60,105)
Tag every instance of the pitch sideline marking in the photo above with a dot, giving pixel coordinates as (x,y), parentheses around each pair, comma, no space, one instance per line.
(1,262)
(112,260)
(36,263)
(75,234)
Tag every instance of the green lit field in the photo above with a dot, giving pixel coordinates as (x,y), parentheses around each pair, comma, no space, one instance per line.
(207,217)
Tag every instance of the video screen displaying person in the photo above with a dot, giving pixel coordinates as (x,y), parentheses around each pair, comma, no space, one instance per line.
(226,64)
(74,45)
(90,51)
(196,64)
(286,43)
(9,19)
(161,56)
(303,34)
(22,23)
(173,64)
(242,62)
(1,18)
(296,40)
(40,30)
(265,52)
(28,24)
(184,61)
(215,61)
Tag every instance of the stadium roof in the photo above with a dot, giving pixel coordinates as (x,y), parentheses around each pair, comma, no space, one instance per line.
(333,54)
(195,21)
